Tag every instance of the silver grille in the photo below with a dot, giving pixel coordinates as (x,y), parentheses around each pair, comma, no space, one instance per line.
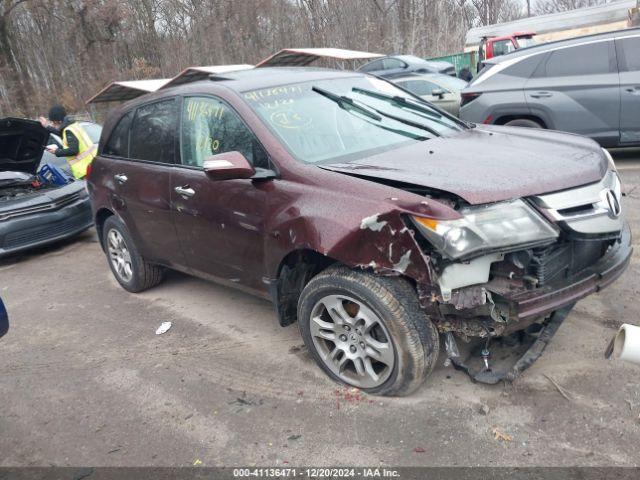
(591,210)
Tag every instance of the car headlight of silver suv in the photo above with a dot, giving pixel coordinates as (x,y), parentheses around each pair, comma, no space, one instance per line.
(487,227)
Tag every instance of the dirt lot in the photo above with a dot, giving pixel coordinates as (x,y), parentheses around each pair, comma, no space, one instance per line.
(85,381)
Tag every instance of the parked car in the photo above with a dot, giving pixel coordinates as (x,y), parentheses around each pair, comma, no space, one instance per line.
(32,212)
(588,85)
(4,320)
(358,210)
(392,66)
(441,90)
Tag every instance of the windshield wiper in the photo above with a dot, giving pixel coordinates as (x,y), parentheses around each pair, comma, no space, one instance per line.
(349,104)
(346,103)
(406,121)
(399,100)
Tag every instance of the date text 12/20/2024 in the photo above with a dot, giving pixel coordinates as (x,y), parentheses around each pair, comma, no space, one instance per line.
(316,473)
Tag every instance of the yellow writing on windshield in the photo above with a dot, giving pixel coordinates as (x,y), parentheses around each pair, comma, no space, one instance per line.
(204,109)
(269,93)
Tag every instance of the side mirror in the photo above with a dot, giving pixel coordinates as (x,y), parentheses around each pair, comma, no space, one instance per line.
(228,166)
(437,92)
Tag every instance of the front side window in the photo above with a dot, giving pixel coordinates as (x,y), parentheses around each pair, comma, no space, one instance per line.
(118,144)
(347,118)
(210,127)
(153,132)
(587,59)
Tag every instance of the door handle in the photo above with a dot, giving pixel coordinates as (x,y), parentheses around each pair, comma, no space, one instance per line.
(633,90)
(121,178)
(185,192)
(541,94)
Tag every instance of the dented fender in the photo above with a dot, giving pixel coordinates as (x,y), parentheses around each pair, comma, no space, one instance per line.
(358,232)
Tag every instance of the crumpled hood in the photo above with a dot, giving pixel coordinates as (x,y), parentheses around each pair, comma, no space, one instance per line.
(22,144)
(488,163)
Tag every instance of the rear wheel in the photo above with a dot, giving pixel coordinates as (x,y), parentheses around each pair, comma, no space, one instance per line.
(132,272)
(367,331)
(523,122)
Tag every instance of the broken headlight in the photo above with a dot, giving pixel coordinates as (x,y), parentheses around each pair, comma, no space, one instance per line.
(489,227)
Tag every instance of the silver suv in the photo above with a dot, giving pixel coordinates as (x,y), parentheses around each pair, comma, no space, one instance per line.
(588,85)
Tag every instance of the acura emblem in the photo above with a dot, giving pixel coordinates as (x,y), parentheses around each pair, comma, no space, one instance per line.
(612,203)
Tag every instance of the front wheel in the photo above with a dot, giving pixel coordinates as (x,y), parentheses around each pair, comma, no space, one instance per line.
(367,331)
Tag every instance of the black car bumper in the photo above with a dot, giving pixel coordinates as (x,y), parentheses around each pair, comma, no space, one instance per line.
(30,231)
(543,301)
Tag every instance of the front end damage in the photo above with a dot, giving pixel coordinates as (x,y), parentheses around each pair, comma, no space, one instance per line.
(516,297)
(525,303)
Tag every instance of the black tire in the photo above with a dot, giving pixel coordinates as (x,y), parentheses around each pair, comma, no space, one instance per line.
(144,275)
(523,122)
(415,339)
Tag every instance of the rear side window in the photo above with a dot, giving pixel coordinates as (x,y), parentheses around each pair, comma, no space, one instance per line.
(118,144)
(590,59)
(629,54)
(372,66)
(390,63)
(153,132)
(210,127)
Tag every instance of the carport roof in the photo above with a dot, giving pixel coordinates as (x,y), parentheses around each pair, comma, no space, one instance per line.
(193,74)
(300,57)
(127,90)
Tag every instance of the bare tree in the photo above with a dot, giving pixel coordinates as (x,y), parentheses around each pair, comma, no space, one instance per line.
(65,50)
(552,6)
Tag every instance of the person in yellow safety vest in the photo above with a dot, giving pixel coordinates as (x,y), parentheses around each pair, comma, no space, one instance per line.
(77,146)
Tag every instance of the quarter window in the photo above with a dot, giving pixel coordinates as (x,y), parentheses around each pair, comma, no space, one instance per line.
(588,59)
(118,144)
(630,54)
(210,127)
(153,132)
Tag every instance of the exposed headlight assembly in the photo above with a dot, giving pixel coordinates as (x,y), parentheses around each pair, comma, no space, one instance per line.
(487,227)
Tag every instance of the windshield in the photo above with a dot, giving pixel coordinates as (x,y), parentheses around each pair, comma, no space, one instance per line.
(346,119)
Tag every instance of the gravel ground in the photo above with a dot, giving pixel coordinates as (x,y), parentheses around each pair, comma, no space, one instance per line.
(85,381)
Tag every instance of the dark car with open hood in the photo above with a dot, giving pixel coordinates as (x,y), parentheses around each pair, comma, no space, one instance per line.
(34,209)
(380,224)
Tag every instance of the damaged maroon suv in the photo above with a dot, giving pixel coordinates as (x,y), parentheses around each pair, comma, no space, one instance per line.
(382,225)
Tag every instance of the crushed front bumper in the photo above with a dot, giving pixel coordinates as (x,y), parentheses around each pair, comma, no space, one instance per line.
(37,229)
(542,301)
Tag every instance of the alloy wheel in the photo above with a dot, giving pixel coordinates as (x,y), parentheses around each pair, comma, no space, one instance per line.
(352,341)
(119,255)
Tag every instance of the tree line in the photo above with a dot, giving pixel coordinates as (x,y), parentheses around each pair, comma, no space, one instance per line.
(66,50)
